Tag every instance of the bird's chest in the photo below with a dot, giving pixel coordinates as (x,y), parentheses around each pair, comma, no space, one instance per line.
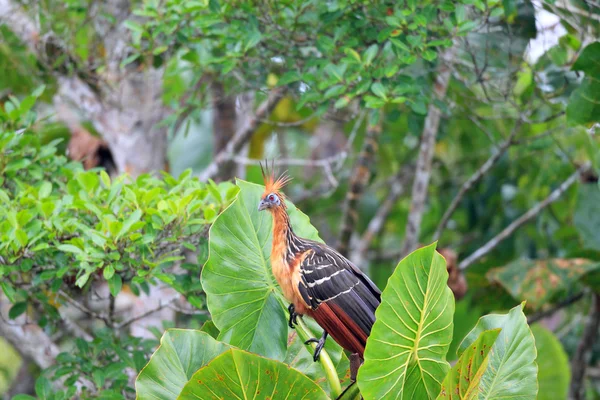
(281,269)
(283,275)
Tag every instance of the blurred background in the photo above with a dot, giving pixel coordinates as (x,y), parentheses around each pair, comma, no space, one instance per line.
(473,123)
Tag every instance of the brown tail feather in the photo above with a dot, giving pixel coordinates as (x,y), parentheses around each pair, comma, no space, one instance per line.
(340,327)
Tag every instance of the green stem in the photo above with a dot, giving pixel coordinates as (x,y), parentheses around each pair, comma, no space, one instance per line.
(352,392)
(334,381)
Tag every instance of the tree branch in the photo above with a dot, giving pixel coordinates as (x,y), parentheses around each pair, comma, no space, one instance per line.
(360,178)
(487,166)
(530,214)
(377,222)
(242,136)
(423,173)
(558,306)
(582,355)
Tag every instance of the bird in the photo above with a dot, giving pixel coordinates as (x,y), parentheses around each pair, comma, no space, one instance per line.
(317,280)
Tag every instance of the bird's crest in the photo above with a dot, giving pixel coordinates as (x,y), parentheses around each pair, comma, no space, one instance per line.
(273,185)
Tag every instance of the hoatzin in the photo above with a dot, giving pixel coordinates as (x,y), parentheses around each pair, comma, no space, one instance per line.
(317,280)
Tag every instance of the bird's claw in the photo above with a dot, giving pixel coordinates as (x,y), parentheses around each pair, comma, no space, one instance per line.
(320,344)
(293,316)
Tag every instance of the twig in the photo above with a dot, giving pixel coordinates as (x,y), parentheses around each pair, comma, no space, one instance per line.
(162,304)
(85,310)
(424,161)
(582,355)
(377,222)
(74,328)
(242,136)
(474,179)
(534,211)
(533,318)
(360,178)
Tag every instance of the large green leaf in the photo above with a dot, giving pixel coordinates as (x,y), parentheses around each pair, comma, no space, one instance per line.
(584,103)
(587,215)
(242,294)
(405,356)
(180,354)
(237,374)
(554,374)
(463,380)
(512,370)
(538,281)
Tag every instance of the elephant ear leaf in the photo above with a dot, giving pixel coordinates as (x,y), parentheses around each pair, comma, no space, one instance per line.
(241,292)
(180,354)
(237,374)
(463,380)
(512,370)
(406,351)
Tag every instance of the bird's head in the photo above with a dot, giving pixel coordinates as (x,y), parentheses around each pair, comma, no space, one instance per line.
(272,198)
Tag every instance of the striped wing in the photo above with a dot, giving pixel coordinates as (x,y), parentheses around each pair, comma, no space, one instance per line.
(343,299)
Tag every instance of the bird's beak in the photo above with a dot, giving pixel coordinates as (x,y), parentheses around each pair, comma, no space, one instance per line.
(263,205)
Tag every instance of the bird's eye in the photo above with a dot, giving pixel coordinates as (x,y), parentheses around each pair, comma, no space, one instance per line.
(271,197)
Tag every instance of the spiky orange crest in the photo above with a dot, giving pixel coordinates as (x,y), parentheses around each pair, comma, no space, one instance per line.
(273,185)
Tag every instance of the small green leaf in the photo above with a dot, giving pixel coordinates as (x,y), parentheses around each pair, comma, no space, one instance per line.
(105,179)
(128,223)
(17,309)
(69,248)
(353,53)
(45,190)
(288,77)
(370,54)
(374,102)
(8,290)
(379,90)
(115,284)
(108,272)
(82,280)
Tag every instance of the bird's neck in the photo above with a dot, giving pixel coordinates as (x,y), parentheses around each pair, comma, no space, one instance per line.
(283,236)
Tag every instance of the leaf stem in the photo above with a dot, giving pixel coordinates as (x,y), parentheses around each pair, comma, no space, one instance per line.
(334,381)
(352,392)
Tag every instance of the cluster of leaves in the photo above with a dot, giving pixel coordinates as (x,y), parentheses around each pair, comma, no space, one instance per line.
(405,354)
(64,232)
(334,51)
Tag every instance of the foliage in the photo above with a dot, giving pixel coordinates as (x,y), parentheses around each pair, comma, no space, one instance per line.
(65,232)
(405,353)
(339,51)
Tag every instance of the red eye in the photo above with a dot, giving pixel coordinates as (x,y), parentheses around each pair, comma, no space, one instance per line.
(271,197)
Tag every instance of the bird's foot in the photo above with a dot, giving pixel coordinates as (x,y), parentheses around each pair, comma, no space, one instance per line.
(293,316)
(320,343)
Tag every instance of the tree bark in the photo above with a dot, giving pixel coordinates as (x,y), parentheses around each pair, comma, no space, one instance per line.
(423,172)
(581,358)
(360,178)
(224,126)
(124,104)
